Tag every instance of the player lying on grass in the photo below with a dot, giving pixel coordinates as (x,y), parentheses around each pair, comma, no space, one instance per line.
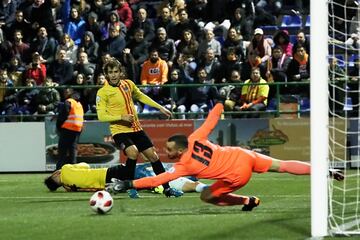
(80,177)
(232,167)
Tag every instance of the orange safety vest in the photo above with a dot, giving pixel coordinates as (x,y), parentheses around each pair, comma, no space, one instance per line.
(75,119)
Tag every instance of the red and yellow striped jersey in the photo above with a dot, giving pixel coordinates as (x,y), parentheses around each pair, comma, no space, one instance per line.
(113,102)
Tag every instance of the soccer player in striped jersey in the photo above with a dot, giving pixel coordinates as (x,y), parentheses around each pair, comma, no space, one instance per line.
(115,104)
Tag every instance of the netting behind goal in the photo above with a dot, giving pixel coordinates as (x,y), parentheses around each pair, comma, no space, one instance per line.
(344,151)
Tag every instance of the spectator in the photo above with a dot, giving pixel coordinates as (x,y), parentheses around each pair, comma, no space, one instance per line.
(100,9)
(301,40)
(212,67)
(231,93)
(271,6)
(16,71)
(263,18)
(26,99)
(241,24)
(90,47)
(48,98)
(154,72)
(234,41)
(105,57)
(281,38)
(141,21)
(253,96)
(174,6)
(231,63)
(125,13)
(84,67)
(197,9)
(259,46)
(113,20)
(61,70)
(36,70)
(19,23)
(45,45)
(41,16)
(138,47)
(277,68)
(92,25)
(299,70)
(188,44)
(7,12)
(165,46)
(200,99)
(209,42)
(187,68)
(71,49)
(184,23)
(75,26)
(354,41)
(165,20)
(19,48)
(115,44)
(7,95)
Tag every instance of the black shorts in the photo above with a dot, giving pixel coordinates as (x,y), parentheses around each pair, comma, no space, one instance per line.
(139,139)
(119,172)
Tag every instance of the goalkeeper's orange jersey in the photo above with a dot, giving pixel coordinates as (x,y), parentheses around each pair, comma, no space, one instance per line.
(204,159)
(80,177)
(112,102)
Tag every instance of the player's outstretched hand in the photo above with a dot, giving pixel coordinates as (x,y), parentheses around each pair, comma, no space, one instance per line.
(166,112)
(337,174)
(172,192)
(117,186)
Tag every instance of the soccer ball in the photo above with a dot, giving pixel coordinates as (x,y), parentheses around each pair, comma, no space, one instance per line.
(101,202)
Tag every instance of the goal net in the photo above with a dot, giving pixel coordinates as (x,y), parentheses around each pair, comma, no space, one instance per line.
(343,116)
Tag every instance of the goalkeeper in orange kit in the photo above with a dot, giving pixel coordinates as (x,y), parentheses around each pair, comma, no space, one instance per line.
(232,167)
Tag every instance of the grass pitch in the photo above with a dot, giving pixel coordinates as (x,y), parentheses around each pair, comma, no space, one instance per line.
(29,211)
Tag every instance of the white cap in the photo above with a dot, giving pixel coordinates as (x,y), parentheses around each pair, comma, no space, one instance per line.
(258,31)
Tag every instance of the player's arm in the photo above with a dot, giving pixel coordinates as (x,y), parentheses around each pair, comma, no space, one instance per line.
(209,124)
(149,182)
(101,108)
(142,97)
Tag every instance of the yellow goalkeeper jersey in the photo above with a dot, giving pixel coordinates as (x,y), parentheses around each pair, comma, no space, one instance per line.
(112,102)
(80,177)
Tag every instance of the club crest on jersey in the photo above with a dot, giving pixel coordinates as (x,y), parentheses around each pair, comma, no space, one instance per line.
(125,88)
(97,99)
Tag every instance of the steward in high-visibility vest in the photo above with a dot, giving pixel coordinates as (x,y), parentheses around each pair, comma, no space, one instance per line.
(69,124)
(75,119)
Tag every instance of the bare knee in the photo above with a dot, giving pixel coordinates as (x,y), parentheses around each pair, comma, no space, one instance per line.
(132,152)
(151,155)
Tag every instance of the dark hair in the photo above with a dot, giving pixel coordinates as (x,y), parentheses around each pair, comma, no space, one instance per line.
(180,140)
(51,184)
(114,63)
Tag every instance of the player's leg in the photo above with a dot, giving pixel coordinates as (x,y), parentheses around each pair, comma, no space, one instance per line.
(220,194)
(125,142)
(187,185)
(265,163)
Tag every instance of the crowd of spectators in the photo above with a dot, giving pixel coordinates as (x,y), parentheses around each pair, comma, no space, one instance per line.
(59,43)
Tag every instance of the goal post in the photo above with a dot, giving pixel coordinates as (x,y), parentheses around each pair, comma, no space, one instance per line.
(319,116)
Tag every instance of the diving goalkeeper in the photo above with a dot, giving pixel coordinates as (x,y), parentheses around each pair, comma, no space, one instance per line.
(231,167)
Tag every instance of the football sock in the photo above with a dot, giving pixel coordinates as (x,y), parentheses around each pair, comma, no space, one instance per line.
(231,199)
(159,168)
(295,167)
(130,165)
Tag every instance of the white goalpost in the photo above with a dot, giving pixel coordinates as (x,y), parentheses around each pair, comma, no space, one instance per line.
(319,117)
(335,124)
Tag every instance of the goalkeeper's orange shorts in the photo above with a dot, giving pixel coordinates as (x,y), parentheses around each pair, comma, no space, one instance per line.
(262,163)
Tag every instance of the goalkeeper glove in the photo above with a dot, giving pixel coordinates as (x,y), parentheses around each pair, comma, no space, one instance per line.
(118,186)
(169,192)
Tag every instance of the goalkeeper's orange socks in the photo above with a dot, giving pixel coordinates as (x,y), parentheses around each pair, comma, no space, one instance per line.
(295,167)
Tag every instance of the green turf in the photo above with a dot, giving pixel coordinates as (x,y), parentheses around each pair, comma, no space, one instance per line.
(29,211)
